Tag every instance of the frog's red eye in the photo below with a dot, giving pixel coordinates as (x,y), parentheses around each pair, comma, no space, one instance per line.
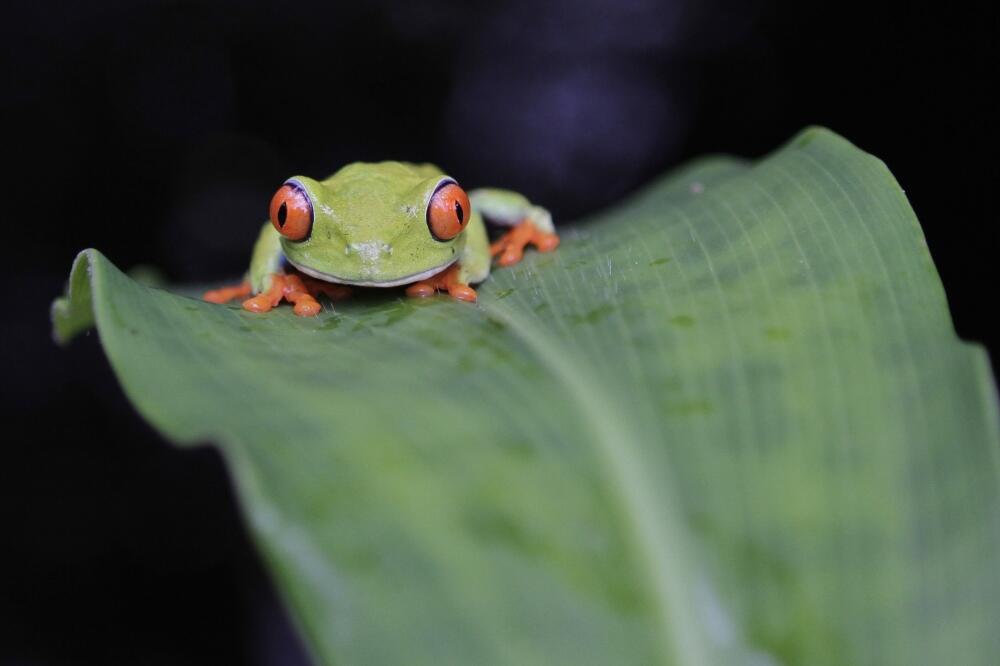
(448,212)
(292,212)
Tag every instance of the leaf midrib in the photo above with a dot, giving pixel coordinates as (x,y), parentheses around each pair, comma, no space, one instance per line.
(658,534)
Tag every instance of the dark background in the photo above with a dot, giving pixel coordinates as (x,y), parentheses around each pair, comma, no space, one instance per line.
(157,132)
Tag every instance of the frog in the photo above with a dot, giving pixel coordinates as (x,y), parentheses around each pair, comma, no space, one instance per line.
(383,224)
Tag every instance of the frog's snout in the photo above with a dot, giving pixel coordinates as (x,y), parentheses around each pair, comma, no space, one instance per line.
(368,253)
(369,250)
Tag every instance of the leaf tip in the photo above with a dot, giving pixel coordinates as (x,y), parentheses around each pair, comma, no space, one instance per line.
(72,312)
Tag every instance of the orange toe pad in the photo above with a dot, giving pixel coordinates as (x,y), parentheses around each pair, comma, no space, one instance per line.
(446,280)
(300,293)
(509,248)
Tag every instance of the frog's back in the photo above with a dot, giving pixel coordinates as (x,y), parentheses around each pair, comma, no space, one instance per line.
(389,171)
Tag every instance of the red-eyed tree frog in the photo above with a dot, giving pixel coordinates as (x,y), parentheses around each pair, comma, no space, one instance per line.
(383,224)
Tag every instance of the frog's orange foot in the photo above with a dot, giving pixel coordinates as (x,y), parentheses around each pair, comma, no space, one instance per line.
(285,287)
(446,280)
(510,246)
(226,294)
(298,290)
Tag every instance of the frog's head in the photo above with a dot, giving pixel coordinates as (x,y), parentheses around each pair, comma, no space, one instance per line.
(380,224)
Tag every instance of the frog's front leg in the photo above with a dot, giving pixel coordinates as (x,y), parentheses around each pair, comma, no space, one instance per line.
(265,262)
(531,224)
(449,280)
(300,291)
(472,267)
(284,287)
(267,284)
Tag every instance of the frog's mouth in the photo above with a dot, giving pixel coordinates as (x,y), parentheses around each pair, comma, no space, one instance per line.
(407,279)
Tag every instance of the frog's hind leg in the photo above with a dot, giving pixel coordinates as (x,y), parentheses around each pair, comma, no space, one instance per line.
(531,224)
(509,248)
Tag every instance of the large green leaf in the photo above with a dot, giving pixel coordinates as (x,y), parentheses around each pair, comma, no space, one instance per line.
(727,422)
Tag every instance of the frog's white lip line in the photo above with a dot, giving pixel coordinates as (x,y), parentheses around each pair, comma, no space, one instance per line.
(416,277)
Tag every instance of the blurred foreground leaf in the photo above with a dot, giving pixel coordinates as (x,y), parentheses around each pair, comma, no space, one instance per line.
(726,422)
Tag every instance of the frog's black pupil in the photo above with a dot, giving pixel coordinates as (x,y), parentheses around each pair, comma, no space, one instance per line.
(282,214)
(459,212)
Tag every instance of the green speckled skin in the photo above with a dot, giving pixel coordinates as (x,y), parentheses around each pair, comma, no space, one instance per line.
(370,228)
